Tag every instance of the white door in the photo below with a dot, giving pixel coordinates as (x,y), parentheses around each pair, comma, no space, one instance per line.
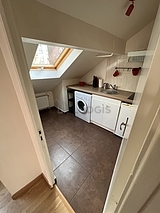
(13,52)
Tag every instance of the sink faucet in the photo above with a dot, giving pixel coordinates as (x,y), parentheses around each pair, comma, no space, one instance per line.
(114,86)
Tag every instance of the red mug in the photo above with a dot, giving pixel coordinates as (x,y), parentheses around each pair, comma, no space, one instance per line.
(135,71)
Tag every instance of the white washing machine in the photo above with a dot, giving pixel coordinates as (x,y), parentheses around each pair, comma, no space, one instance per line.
(83,106)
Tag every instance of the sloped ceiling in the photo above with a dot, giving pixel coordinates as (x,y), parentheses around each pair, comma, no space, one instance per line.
(109,15)
(83,64)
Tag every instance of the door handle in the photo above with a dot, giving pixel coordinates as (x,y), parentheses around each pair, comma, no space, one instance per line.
(125,125)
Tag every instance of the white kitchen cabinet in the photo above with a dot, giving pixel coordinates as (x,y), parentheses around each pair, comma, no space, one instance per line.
(96,112)
(110,114)
(105,112)
(125,120)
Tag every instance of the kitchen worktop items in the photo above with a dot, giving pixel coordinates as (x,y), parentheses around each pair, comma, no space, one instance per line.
(95,81)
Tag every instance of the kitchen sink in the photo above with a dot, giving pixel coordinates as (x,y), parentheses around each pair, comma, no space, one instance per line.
(109,91)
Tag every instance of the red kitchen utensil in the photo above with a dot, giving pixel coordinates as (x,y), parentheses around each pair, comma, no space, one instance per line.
(116,73)
(135,71)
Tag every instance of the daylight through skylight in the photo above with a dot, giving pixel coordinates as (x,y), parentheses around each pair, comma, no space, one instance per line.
(49,57)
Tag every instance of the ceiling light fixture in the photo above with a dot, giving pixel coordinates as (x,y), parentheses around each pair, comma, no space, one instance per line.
(130,8)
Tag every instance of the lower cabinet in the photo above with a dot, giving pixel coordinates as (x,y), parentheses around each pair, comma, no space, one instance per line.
(105,112)
(125,120)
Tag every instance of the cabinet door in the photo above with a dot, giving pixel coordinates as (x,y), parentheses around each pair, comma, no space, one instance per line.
(123,119)
(110,114)
(96,111)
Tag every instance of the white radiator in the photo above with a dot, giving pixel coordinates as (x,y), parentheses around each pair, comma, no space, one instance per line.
(42,102)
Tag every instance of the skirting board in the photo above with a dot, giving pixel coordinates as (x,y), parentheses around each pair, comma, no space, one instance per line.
(64,111)
(28,186)
(44,177)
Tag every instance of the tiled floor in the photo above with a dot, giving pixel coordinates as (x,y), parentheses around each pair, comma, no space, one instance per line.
(83,157)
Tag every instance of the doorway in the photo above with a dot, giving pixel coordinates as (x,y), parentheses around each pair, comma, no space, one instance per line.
(83,156)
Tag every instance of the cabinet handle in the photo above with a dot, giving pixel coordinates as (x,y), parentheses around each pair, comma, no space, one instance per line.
(125,125)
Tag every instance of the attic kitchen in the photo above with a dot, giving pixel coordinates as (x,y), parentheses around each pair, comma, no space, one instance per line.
(83,154)
(77,139)
(86,115)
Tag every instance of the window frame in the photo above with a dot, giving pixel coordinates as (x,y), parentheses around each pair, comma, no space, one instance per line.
(57,64)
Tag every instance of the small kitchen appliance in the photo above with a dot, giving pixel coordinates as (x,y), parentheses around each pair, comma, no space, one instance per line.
(95,81)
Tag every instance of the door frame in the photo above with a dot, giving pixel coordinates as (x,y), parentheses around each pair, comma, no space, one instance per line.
(147,101)
(25,94)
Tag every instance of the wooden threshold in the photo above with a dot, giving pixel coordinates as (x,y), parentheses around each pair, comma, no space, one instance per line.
(38,198)
(26,188)
(64,201)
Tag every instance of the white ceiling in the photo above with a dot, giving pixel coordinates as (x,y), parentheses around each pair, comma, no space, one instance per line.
(109,15)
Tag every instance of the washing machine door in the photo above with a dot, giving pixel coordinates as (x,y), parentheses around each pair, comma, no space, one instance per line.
(82,106)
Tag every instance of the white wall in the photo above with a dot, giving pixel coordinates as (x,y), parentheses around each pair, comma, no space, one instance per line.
(99,71)
(105,70)
(126,80)
(140,40)
(60,94)
(18,160)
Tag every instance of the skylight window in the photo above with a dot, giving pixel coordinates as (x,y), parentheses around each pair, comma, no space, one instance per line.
(49,57)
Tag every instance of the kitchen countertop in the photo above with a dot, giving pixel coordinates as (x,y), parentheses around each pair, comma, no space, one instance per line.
(122,95)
